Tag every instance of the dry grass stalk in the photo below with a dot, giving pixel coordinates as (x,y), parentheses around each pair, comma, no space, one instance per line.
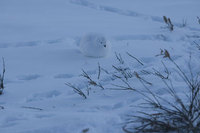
(135,58)
(198,19)
(184,23)
(77,90)
(169,115)
(2,78)
(90,80)
(119,58)
(124,72)
(169,23)
(197,45)
(34,108)
(164,53)
(99,71)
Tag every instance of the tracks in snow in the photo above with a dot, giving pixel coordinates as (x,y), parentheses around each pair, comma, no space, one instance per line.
(129,13)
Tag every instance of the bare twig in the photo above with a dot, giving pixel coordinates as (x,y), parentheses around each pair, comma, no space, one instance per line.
(169,23)
(104,70)
(119,58)
(175,115)
(161,53)
(184,23)
(120,87)
(77,90)
(159,74)
(141,79)
(34,108)
(125,72)
(135,59)
(198,19)
(197,45)
(166,54)
(2,78)
(99,70)
(90,80)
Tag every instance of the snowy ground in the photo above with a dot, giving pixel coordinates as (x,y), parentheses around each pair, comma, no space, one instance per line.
(38,41)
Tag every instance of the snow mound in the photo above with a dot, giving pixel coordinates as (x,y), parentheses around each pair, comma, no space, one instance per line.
(94,45)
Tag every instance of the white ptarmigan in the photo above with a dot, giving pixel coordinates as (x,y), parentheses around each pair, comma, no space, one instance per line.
(94,45)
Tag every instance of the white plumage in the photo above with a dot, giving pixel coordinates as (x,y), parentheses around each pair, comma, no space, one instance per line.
(94,45)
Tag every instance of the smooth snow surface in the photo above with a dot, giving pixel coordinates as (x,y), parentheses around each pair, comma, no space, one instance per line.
(38,41)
